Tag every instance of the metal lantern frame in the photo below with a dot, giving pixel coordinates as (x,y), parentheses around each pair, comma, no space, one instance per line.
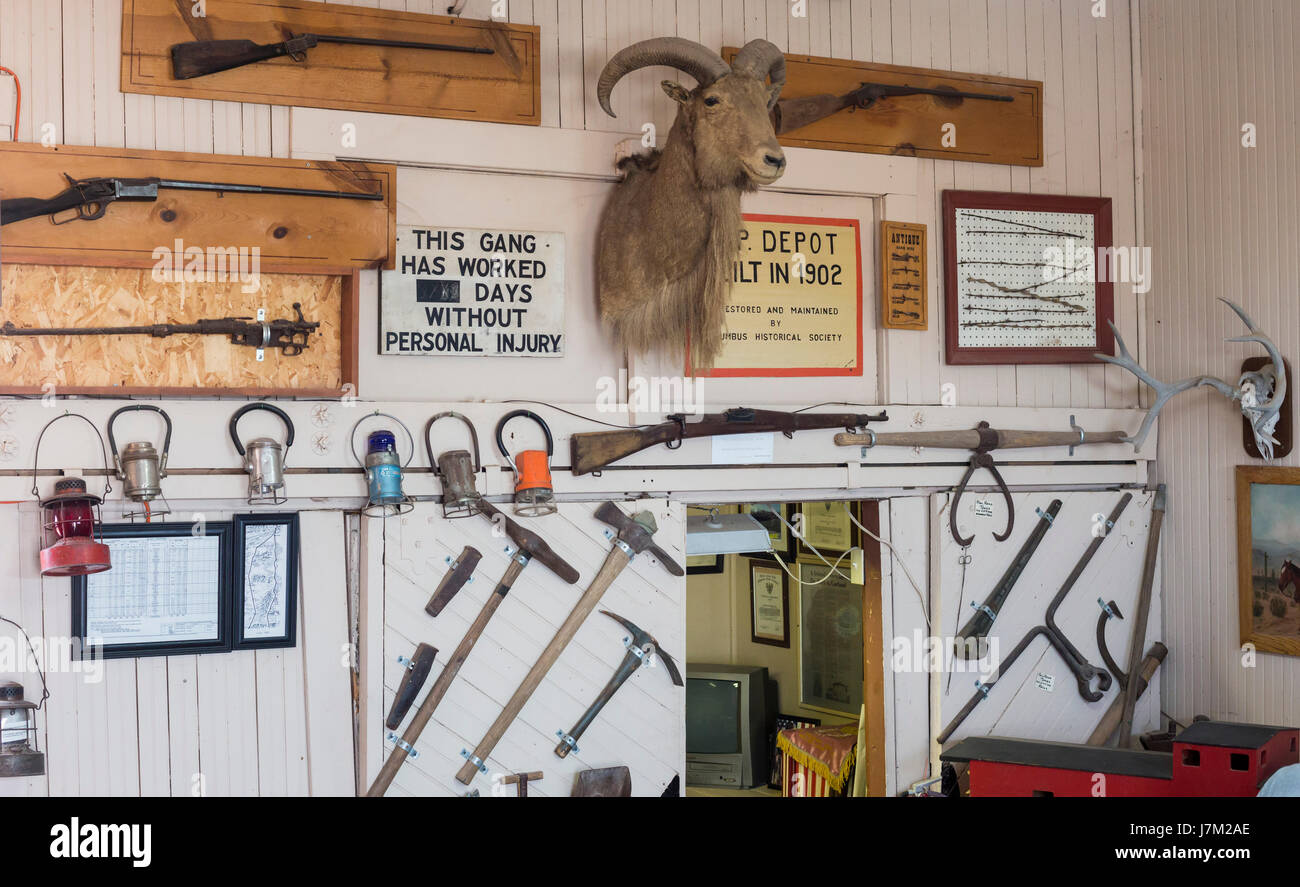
(455,470)
(143,468)
(19,756)
(534,489)
(52,525)
(272,491)
(384,509)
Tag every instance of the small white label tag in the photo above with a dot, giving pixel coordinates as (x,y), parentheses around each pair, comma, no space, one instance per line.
(1044,682)
(744,449)
(983,508)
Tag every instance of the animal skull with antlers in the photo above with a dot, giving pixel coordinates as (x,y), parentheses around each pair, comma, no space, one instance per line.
(1259,393)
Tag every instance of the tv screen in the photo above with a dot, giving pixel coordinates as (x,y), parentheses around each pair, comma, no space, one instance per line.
(712,717)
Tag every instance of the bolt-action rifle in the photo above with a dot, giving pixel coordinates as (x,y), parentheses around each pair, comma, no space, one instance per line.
(203,57)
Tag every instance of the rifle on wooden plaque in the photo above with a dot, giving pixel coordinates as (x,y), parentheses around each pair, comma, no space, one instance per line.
(202,57)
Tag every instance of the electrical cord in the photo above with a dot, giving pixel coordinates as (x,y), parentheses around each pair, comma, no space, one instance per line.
(919,596)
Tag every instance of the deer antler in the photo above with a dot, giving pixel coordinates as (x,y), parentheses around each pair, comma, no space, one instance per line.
(1260,403)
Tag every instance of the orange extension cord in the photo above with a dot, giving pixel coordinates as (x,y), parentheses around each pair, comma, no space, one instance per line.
(18,98)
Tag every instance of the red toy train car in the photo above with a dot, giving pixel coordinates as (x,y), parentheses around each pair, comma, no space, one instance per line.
(1209,759)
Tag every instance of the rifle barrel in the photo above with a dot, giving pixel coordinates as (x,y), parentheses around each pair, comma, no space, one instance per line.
(401,44)
(185,185)
(969,439)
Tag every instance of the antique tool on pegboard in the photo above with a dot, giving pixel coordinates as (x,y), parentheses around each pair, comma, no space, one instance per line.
(522,780)
(534,490)
(140,466)
(457,470)
(983,440)
(264,458)
(417,670)
(72,529)
(529,546)
(977,628)
(461,571)
(642,649)
(1083,671)
(634,535)
(383,467)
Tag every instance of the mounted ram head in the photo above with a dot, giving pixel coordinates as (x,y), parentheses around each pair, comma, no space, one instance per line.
(670,232)
(1259,393)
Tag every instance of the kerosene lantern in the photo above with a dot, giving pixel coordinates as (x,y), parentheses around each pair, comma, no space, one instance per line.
(534,492)
(140,466)
(383,469)
(19,753)
(264,458)
(72,539)
(457,470)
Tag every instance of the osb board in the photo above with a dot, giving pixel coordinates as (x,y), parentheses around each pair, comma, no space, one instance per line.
(294,233)
(43,296)
(501,88)
(986,132)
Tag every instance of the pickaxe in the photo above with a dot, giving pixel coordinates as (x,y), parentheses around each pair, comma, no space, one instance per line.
(635,535)
(528,545)
(641,648)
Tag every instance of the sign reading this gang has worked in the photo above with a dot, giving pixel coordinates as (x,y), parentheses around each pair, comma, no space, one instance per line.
(796,300)
(472,291)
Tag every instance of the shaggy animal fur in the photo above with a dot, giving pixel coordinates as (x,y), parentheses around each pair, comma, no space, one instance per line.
(670,234)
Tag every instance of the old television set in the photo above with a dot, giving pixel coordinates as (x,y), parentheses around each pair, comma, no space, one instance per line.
(727,725)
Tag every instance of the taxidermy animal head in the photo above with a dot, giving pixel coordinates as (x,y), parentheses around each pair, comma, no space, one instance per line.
(1258,393)
(670,232)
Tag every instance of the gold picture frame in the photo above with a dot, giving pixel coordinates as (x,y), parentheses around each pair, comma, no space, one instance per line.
(1268,558)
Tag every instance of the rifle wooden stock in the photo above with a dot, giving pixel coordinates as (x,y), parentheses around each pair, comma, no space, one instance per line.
(970,439)
(205,57)
(593,450)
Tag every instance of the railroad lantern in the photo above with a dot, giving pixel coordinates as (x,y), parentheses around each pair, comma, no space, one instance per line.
(19,753)
(140,466)
(72,537)
(264,457)
(383,469)
(534,493)
(457,470)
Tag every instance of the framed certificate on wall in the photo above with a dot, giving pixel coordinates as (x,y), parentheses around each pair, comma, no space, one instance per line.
(827,527)
(830,641)
(769,605)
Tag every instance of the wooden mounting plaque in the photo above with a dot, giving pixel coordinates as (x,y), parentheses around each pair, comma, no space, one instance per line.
(1285,424)
(904,279)
(985,132)
(300,234)
(501,88)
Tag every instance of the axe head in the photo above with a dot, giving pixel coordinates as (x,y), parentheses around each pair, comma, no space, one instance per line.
(637,533)
(529,543)
(641,637)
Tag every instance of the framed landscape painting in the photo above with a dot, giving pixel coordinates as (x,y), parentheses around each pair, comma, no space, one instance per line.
(1268,557)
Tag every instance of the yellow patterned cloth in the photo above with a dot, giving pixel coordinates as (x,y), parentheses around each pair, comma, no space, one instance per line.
(826,751)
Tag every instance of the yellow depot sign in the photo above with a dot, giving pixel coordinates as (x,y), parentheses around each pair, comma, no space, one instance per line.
(796,300)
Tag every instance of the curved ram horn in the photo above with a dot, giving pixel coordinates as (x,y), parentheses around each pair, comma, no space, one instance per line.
(762,59)
(695,59)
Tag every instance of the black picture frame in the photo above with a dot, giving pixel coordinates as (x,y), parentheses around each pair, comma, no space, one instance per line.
(769,565)
(790,545)
(222,530)
(699,569)
(288,590)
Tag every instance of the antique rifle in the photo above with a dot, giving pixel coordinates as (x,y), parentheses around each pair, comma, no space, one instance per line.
(795,113)
(290,336)
(91,197)
(203,57)
(591,451)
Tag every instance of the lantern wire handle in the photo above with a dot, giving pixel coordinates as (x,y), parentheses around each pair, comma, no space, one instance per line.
(45,688)
(36,455)
(410,439)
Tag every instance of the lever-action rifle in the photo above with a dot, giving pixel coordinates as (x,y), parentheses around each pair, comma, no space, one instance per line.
(91,197)
(591,451)
(204,57)
(290,336)
(799,112)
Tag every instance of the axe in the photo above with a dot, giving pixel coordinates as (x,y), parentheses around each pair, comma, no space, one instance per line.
(641,646)
(635,535)
(528,546)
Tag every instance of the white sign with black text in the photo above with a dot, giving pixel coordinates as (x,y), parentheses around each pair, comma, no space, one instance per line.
(473,291)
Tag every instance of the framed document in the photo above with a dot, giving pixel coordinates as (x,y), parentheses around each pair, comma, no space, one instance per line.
(770,515)
(1027,278)
(830,641)
(769,605)
(167,593)
(266,580)
(826,526)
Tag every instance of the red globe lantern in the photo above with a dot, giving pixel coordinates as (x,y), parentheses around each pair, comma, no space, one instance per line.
(72,538)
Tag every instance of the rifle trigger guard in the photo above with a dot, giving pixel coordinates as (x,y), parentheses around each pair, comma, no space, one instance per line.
(680,419)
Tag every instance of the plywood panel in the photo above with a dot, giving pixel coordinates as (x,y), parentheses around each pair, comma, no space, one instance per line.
(503,87)
(37,296)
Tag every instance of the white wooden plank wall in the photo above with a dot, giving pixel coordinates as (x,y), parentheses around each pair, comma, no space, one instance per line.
(643,726)
(1222,220)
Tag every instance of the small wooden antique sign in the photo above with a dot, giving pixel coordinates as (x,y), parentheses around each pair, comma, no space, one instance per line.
(472,291)
(903,277)
(796,300)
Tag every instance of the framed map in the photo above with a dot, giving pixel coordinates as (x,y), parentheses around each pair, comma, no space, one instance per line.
(1028,278)
(266,580)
